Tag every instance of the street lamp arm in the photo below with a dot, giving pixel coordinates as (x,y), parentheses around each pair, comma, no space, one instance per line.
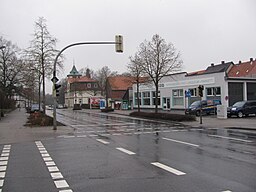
(76,44)
(55,79)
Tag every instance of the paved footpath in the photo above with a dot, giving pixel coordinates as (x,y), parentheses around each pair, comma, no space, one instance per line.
(12,129)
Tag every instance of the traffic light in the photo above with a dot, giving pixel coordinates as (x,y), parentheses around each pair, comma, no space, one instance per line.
(56,87)
(200,90)
(119,43)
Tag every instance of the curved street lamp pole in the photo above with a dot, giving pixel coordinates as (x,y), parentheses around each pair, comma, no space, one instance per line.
(118,43)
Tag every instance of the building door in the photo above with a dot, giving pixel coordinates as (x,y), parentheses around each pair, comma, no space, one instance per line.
(235,92)
(166,103)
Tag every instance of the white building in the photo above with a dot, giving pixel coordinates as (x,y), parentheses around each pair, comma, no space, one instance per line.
(221,82)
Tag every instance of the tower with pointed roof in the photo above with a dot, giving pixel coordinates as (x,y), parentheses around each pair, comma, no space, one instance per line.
(74,73)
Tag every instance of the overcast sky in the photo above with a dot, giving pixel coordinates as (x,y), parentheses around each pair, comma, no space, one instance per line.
(204,31)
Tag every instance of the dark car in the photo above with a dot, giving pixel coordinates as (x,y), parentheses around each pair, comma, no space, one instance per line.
(242,108)
(208,107)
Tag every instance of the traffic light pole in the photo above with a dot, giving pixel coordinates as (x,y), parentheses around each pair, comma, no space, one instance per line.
(55,79)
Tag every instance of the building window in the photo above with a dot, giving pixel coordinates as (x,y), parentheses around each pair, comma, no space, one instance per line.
(95,85)
(154,97)
(136,101)
(213,91)
(193,92)
(177,97)
(146,98)
(89,85)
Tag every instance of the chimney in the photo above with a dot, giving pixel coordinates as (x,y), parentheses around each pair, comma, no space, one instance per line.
(222,62)
(212,64)
(251,59)
(240,62)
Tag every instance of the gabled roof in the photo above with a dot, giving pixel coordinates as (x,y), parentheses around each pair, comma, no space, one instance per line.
(120,82)
(245,69)
(223,67)
(74,72)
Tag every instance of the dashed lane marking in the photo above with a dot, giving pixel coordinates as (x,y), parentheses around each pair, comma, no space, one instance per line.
(167,168)
(3,164)
(181,142)
(102,141)
(125,151)
(56,175)
(230,138)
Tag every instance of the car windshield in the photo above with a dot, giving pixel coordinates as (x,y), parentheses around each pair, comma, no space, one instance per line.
(195,104)
(239,104)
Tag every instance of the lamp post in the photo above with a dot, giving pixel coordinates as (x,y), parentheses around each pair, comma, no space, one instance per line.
(119,48)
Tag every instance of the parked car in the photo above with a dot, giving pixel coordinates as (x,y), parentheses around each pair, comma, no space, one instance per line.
(208,107)
(242,108)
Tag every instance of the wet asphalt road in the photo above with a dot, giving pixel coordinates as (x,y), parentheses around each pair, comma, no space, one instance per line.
(117,153)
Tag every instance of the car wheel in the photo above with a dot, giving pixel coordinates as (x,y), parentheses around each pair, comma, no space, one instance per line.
(240,114)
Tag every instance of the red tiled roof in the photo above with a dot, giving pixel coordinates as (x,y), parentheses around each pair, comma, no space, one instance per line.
(246,69)
(81,79)
(120,82)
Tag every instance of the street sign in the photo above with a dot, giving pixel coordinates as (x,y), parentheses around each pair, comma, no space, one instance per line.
(187,93)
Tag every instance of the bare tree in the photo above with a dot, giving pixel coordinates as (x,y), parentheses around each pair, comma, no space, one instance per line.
(136,70)
(157,59)
(42,52)
(101,76)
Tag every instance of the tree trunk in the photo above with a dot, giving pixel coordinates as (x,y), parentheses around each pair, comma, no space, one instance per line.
(156,98)
(138,96)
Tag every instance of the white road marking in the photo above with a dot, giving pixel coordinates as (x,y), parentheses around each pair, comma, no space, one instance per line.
(116,134)
(227,191)
(50,163)
(53,169)
(47,159)
(125,151)
(81,136)
(6,151)
(5,155)
(2,174)
(93,135)
(61,184)
(57,175)
(190,144)
(102,141)
(45,155)
(3,162)
(4,158)
(1,182)
(167,168)
(67,190)
(230,138)
(3,168)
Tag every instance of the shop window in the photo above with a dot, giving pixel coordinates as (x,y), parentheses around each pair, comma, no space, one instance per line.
(136,101)
(193,92)
(146,98)
(178,97)
(154,97)
(213,91)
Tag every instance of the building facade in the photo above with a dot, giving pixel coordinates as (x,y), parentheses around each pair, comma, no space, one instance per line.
(178,91)
(82,91)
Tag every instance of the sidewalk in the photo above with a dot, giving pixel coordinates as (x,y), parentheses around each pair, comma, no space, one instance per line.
(12,129)
(210,121)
